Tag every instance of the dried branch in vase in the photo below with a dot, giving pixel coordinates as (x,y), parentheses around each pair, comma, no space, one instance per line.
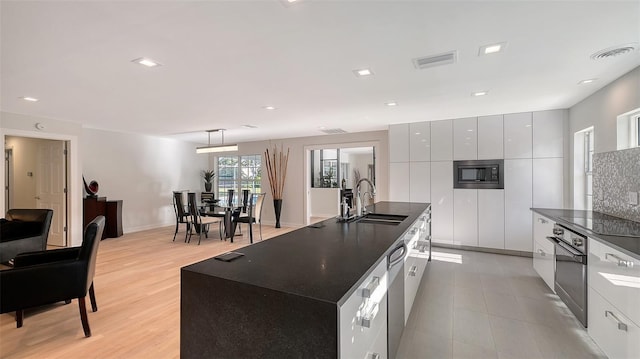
(276,170)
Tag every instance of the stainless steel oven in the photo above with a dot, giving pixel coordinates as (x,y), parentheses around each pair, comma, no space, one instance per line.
(478,174)
(571,270)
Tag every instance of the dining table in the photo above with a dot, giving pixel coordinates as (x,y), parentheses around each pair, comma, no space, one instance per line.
(230,212)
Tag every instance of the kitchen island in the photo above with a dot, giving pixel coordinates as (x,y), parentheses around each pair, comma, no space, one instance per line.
(282,298)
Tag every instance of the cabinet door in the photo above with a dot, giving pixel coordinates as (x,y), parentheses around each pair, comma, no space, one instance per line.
(491,218)
(442,201)
(465,217)
(543,263)
(548,133)
(518,135)
(465,138)
(419,182)
(399,181)
(517,202)
(420,141)
(441,140)
(399,143)
(490,137)
(615,334)
(548,180)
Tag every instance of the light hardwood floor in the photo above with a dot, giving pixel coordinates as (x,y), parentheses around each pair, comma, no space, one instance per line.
(137,286)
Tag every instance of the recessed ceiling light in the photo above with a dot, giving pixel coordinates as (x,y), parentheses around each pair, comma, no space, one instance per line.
(417,133)
(269,108)
(145,61)
(363,72)
(30,99)
(249,126)
(391,103)
(479,93)
(491,48)
(587,81)
(469,130)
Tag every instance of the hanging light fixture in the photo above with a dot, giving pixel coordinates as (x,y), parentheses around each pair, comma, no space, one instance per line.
(216,148)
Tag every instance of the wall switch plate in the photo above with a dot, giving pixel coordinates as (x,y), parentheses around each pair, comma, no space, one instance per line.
(600,195)
(633,198)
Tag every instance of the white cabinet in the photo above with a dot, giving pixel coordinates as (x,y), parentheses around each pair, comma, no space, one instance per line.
(399,181)
(543,249)
(420,182)
(517,202)
(465,217)
(399,143)
(420,141)
(363,317)
(518,135)
(548,181)
(491,218)
(611,329)
(490,137)
(441,140)
(442,201)
(548,133)
(465,138)
(418,247)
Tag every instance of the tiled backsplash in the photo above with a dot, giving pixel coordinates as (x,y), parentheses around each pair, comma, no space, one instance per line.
(615,174)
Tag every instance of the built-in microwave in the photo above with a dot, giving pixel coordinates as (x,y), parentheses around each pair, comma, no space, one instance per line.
(487,174)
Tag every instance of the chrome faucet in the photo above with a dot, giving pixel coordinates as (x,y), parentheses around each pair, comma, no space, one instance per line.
(359,208)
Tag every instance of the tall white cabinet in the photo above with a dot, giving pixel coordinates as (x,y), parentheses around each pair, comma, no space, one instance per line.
(532,147)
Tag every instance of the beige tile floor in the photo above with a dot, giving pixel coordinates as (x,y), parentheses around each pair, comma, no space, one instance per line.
(482,305)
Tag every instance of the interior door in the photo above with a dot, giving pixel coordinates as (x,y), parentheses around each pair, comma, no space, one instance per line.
(51,184)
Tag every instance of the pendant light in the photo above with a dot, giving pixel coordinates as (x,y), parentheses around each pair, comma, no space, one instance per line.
(216,148)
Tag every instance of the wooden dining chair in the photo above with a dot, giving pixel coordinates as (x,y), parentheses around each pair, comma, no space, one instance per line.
(197,221)
(182,216)
(254,216)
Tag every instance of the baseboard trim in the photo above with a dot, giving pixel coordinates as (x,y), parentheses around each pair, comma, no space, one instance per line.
(484,250)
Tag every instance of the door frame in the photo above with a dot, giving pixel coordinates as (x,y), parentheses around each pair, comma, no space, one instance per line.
(74,183)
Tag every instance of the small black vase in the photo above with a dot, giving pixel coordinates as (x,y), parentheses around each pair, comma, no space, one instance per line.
(277,205)
(207,186)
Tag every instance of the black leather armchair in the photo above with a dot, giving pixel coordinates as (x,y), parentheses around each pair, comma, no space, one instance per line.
(24,230)
(46,277)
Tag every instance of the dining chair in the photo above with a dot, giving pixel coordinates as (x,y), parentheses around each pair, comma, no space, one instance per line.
(254,216)
(182,216)
(197,221)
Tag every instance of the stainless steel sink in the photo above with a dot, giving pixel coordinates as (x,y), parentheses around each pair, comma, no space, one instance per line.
(380,218)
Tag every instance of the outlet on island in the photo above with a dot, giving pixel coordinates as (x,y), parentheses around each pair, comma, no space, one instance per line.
(633,198)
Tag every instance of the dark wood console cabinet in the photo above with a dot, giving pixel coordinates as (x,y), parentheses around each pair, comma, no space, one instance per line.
(111,210)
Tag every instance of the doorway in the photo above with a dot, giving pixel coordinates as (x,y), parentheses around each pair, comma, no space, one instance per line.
(36,177)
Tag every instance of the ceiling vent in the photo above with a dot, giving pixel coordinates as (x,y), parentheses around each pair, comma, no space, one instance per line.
(435,60)
(333,131)
(615,51)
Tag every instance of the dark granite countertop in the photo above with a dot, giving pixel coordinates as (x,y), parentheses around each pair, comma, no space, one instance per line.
(325,263)
(575,220)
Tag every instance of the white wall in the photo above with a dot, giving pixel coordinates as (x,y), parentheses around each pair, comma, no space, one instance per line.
(142,171)
(294,189)
(325,202)
(601,110)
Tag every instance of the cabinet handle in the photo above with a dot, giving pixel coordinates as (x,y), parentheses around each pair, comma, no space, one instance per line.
(542,253)
(373,284)
(621,262)
(621,326)
(412,271)
(374,356)
(542,220)
(366,319)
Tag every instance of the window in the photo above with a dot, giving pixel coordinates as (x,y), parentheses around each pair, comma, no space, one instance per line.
(588,167)
(638,131)
(325,171)
(239,173)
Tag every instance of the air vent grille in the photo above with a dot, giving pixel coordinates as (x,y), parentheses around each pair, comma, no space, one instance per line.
(435,60)
(614,51)
(333,131)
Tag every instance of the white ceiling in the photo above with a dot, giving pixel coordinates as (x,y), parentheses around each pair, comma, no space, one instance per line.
(224,61)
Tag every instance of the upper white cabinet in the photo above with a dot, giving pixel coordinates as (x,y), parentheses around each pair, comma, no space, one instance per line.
(548,133)
(419,182)
(419,141)
(465,217)
(490,137)
(399,143)
(399,181)
(517,202)
(442,201)
(491,218)
(465,138)
(442,140)
(518,135)
(548,181)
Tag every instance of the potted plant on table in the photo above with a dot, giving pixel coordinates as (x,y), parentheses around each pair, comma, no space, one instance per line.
(208,176)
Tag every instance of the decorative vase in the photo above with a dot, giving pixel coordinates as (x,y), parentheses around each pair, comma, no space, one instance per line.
(207,186)
(277,205)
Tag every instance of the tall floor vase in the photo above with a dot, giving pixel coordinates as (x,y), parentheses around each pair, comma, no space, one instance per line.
(277,205)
